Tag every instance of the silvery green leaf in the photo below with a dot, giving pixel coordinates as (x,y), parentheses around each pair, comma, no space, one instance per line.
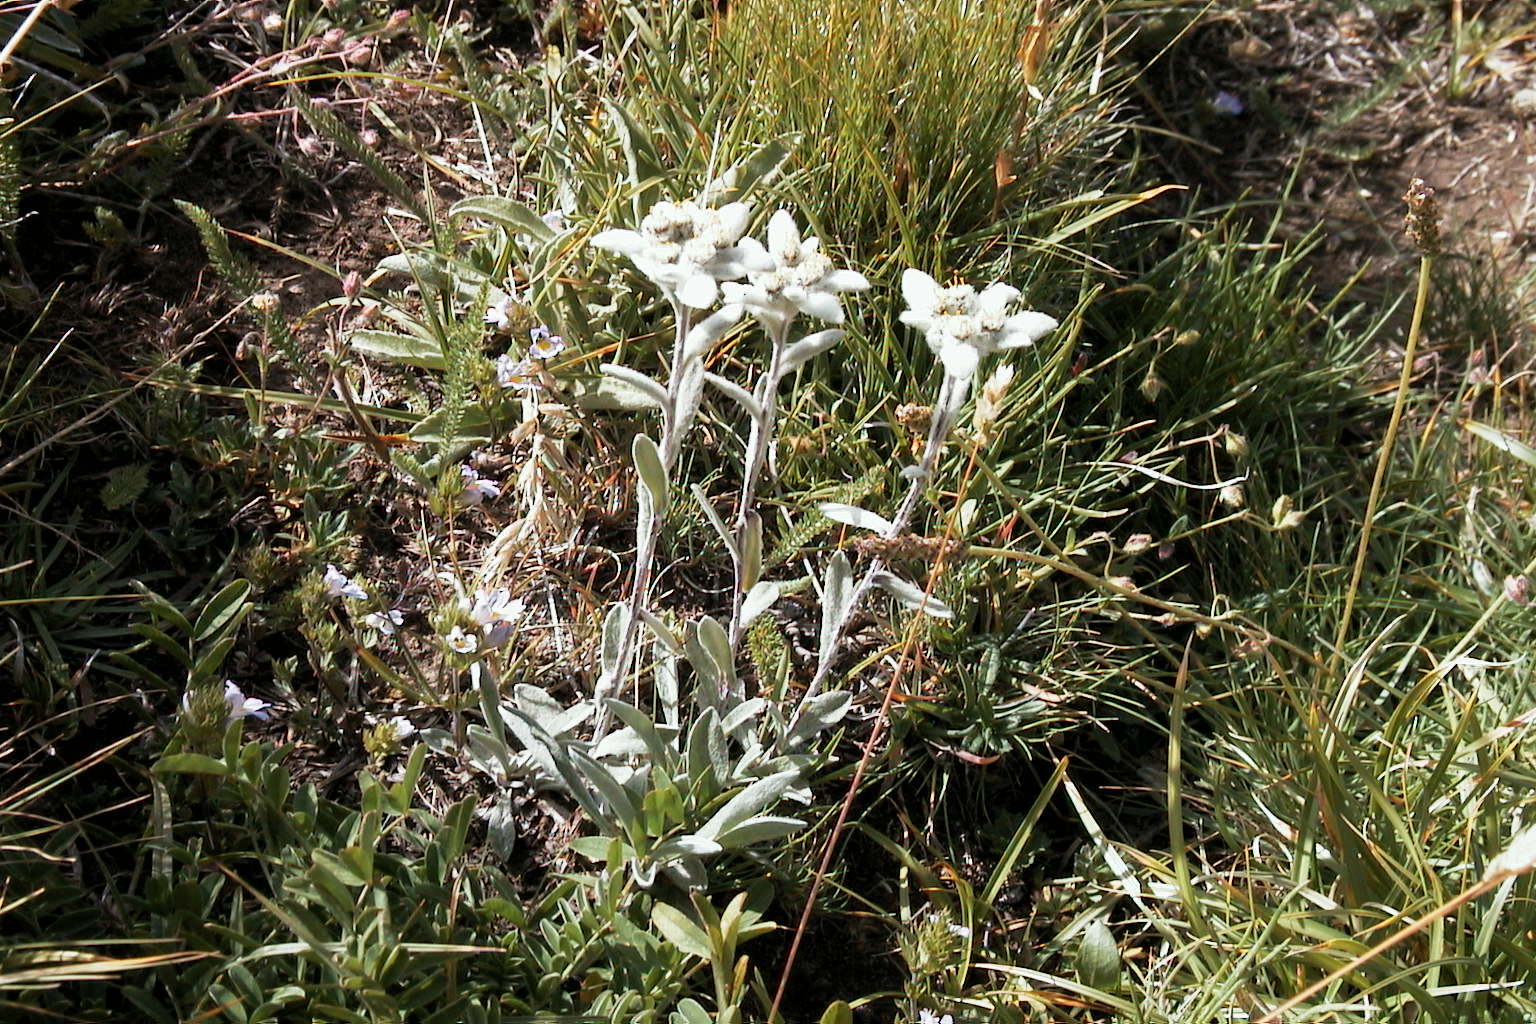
(808,348)
(541,748)
(836,595)
(689,845)
(547,712)
(819,713)
(501,826)
(653,391)
(852,515)
(690,390)
(492,757)
(429,269)
(738,394)
(707,687)
(1098,957)
(653,475)
(702,337)
(503,212)
(687,872)
(758,829)
(713,638)
(745,713)
(703,771)
(621,743)
(609,394)
(643,870)
(662,632)
(399,348)
(910,596)
(664,680)
(755,798)
(606,784)
(753,171)
(751,550)
(726,535)
(660,742)
(758,600)
(440,741)
(614,624)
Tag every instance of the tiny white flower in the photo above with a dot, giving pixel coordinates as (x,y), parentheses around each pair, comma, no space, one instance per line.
(337,584)
(797,277)
(241,706)
(961,326)
(476,488)
(929,1017)
(501,312)
(554,220)
(403,728)
(495,612)
(686,249)
(462,642)
(386,622)
(544,345)
(517,375)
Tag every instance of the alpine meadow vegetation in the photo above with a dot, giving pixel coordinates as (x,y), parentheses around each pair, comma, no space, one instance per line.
(629,511)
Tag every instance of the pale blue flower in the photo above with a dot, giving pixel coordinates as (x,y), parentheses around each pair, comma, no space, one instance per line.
(337,584)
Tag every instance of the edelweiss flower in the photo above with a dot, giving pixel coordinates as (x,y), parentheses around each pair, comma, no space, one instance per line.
(385,622)
(962,326)
(797,277)
(686,249)
(495,612)
(476,488)
(544,344)
(337,584)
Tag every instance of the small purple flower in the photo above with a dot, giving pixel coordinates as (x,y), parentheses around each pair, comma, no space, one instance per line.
(1227,104)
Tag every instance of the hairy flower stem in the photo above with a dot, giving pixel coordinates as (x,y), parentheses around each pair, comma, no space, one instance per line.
(945,411)
(645,544)
(759,439)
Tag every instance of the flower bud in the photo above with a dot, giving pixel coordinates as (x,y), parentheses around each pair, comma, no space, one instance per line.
(1137,543)
(1235,443)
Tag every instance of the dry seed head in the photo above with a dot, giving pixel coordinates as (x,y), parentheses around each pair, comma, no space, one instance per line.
(1423,217)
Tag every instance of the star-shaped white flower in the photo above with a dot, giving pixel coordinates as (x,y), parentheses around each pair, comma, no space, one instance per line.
(961,326)
(797,277)
(686,249)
